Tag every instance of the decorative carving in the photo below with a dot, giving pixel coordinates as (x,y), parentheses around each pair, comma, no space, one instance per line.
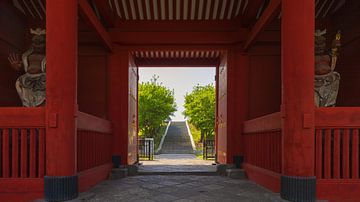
(31,85)
(326,79)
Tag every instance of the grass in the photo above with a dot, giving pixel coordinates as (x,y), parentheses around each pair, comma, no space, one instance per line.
(158,136)
(195,133)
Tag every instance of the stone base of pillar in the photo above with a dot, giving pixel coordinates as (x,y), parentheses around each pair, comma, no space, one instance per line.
(295,188)
(238,160)
(60,188)
(116,160)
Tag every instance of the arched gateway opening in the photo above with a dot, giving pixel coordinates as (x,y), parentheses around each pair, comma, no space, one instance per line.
(71,117)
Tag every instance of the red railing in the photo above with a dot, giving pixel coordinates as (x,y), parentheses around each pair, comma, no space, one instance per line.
(337,143)
(94,142)
(262,142)
(22,142)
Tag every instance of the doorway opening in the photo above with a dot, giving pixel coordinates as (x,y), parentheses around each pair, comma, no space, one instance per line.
(176,119)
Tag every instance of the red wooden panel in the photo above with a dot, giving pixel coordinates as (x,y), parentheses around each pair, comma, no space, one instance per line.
(94,149)
(280,151)
(346,154)
(32,161)
(22,117)
(318,151)
(333,117)
(41,147)
(268,156)
(355,154)
(23,150)
(272,152)
(15,153)
(327,154)
(336,158)
(5,154)
(84,153)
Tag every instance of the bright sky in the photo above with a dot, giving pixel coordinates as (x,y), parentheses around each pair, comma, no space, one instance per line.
(181,79)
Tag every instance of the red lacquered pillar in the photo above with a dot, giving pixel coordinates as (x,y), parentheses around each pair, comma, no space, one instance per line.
(118,84)
(238,91)
(298,181)
(61,181)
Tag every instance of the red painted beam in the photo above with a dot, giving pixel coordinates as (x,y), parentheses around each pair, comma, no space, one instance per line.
(251,12)
(106,13)
(22,117)
(268,122)
(177,25)
(91,177)
(337,117)
(180,38)
(90,18)
(265,18)
(92,123)
(264,177)
(177,62)
(177,37)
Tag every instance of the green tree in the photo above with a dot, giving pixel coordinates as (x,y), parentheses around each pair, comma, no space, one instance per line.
(200,109)
(156,105)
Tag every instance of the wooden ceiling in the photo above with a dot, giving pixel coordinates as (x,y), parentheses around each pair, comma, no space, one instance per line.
(113,12)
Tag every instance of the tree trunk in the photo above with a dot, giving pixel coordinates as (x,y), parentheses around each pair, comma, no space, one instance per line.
(202,136)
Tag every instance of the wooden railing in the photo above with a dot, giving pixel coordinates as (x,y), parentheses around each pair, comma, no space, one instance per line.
(337,143)
(22,142)
(262,141)
(94,142)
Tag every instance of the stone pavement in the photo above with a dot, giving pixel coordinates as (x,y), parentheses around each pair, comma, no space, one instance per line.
(176,163)
(177,188)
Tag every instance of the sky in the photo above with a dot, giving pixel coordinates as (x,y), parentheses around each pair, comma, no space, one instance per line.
(181,79)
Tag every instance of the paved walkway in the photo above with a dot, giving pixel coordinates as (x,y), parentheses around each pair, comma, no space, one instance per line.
(163,188)
(177,163)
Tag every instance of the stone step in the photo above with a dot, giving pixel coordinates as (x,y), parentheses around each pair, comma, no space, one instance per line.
(177,140)
(236,173)
(118,173)
(177,152)
(181,173)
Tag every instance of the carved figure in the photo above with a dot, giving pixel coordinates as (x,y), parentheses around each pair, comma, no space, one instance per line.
(326,79)
(31,86)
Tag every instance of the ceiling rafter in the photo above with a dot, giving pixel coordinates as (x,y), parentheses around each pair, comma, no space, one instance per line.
(107,12)
(91,19)
(269,14)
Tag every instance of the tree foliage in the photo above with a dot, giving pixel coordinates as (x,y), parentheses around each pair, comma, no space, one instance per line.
(156,104)
(200,109)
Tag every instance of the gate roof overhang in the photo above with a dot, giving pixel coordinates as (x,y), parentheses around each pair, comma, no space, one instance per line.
(177,22)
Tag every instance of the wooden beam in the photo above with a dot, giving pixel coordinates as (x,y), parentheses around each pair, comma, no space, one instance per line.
(270,122)
(265,18)
(106,13)
(176,62)
(21,117)
(176,38)
(251,12)
(90,18)
(176,25)
(92,123)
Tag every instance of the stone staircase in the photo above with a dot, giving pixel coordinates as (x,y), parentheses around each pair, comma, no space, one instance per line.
(177,140)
